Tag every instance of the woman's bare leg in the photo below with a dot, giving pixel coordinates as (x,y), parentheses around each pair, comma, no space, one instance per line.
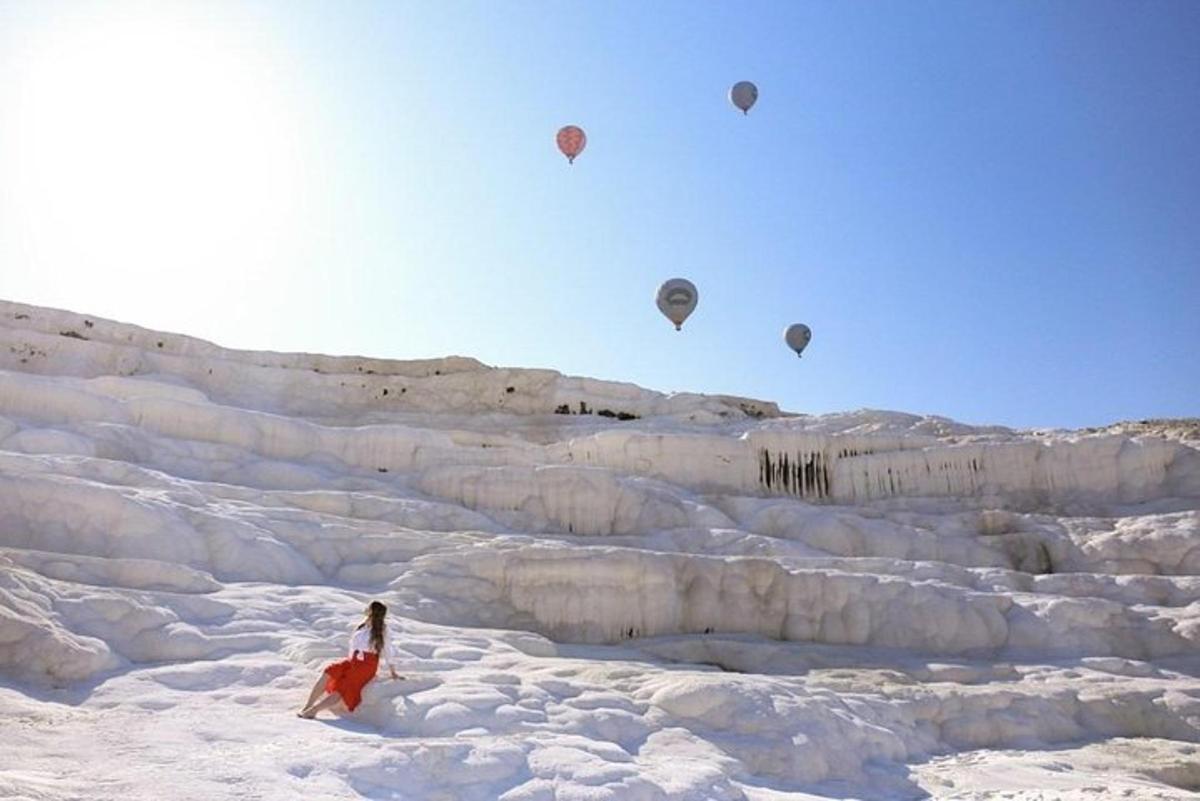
(317,691)
(330,700)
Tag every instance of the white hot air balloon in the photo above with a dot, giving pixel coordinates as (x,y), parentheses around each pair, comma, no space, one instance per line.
(743,94)
(797,337)
(677,299)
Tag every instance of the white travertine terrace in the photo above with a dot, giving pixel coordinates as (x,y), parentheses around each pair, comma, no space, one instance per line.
(606,592)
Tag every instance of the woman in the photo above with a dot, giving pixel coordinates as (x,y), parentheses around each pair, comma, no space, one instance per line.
(343,681)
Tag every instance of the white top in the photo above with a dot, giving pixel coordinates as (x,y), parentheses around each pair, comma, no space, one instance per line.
(361,641)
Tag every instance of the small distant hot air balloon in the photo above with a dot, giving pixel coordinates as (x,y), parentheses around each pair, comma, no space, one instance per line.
(677,299)
(797,337)
(743,94)
(571,141)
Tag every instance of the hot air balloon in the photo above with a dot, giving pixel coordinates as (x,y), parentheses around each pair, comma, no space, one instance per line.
(797,337)
(677,299)
(571,141)
(743,94)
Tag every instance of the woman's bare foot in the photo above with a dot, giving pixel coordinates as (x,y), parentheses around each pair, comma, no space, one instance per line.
(307,715)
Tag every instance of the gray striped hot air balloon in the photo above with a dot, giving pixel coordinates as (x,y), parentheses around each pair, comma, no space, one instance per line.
(677,299)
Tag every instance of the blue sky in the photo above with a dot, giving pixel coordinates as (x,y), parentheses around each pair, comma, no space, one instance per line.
(989,211)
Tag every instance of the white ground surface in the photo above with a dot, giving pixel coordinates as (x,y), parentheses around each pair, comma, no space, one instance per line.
(646,597)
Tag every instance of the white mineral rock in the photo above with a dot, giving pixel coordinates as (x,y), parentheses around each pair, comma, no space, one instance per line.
(601,592)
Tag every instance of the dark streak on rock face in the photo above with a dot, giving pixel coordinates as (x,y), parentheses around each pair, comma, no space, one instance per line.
(71,334)
(803,474)
(1046,564)
(616,415)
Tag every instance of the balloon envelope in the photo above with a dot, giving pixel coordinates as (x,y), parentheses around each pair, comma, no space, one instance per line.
(677,299)
(743,95)
(797,337)
(571,141)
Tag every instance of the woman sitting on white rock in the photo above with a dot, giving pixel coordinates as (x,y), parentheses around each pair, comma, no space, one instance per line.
(343,681)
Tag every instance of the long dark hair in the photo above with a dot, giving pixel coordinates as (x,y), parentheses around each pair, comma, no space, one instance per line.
(375,615)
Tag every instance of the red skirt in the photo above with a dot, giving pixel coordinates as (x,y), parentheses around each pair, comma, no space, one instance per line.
(349,676)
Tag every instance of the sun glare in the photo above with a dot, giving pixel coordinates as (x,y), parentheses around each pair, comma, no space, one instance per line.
(152,142)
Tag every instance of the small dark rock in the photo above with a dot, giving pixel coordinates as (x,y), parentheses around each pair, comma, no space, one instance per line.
(617,415)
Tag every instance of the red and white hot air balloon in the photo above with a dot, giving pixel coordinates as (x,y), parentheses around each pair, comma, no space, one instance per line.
(571,141)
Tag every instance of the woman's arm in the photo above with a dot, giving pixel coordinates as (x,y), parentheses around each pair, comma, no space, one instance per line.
(389,652)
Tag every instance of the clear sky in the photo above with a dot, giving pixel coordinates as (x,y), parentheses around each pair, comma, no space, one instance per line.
(987,210)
